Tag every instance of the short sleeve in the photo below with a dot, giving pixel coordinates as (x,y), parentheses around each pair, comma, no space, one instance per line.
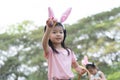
(46,55)
(73,56)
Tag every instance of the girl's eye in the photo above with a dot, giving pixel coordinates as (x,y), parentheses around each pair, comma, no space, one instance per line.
(61,32)
(54,32)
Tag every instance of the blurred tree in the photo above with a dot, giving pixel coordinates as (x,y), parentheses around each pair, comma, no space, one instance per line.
(97,36)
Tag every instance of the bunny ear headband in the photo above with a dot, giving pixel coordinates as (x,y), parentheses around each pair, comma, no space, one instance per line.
(85,61)
(63,17)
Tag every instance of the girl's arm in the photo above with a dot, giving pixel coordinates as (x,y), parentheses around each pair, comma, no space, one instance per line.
(45,40)
(81,70)
(102,76)
(46,35)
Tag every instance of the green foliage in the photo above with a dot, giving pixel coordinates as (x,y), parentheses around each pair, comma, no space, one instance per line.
(96,36)
(114,76)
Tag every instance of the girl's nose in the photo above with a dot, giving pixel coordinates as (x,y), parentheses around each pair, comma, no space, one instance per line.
(58,34)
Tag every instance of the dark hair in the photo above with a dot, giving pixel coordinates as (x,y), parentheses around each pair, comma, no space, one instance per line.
(63,42)
(90,65)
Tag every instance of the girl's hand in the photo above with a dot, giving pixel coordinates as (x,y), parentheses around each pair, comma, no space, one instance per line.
(51,22)
(83,71)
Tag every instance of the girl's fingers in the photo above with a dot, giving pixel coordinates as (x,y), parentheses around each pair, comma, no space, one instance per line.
(50,22)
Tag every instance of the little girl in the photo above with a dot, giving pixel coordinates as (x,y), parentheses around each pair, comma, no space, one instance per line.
(60,58)
(95,73)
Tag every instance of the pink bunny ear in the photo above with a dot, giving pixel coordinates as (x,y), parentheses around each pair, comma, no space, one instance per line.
(65,15)
(50,11)
(85,60)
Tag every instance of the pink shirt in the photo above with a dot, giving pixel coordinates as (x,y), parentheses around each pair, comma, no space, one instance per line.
(59,65)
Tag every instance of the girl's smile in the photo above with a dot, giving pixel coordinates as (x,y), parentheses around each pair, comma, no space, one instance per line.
(57,35)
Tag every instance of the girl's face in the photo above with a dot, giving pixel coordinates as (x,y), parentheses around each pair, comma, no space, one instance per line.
(57,35)
(92,70)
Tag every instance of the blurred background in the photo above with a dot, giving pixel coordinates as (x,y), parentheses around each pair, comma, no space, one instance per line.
(93,29)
